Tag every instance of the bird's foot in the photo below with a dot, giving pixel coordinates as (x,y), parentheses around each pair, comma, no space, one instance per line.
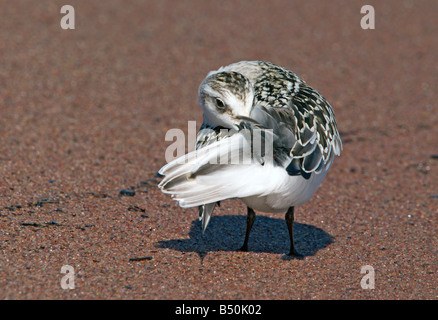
(295,254)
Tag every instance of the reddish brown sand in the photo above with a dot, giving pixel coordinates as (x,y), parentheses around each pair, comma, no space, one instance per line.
(84,112)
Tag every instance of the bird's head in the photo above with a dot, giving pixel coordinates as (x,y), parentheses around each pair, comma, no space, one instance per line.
(224,96)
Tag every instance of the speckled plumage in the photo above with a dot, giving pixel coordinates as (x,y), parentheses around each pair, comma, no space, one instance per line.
(250,96)
(280,96)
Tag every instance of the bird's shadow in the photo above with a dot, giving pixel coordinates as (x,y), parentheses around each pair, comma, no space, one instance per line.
(226,233)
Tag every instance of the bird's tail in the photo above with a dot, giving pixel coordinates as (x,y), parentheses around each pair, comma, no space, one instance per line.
(205,213)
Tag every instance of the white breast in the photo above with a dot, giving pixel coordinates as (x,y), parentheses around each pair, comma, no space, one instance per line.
(285,190)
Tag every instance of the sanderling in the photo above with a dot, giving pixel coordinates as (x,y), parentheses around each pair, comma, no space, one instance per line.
(244,97)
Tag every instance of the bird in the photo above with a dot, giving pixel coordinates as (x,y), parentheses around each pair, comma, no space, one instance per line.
(267,138)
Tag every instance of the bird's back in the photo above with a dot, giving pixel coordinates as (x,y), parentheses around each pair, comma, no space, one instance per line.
(299,115)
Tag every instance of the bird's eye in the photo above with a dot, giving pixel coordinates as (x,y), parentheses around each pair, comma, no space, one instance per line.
(220,104)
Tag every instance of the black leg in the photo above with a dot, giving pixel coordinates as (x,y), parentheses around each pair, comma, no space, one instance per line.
(250,218)
(290,227)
